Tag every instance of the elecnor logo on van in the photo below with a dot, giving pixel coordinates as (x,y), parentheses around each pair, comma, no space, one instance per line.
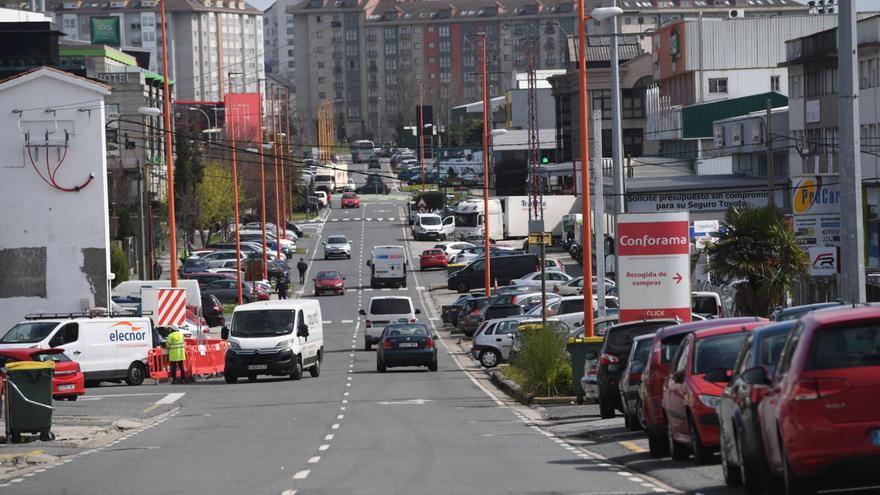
(125,331)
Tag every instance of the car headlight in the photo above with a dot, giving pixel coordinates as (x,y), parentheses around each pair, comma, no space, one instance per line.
(712,401)
(233,345)
(338,285)
(284,344)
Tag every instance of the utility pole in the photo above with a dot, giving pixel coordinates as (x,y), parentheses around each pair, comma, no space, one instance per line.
(169,156)
(421,132)
(585,168)
(616,132)
(487,255)
(599,210)
(771,171)
(852,247)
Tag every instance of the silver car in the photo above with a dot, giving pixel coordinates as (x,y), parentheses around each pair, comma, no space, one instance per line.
(337,245)
(493,341)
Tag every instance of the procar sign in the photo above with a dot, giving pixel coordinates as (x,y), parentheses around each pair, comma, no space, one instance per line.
(654,273)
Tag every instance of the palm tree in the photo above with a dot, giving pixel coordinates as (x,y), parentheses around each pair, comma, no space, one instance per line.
(760,254)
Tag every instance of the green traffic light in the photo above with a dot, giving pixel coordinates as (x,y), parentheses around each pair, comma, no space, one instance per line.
(545,160)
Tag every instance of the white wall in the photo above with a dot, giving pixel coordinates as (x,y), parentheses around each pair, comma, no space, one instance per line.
(36,215)
(743,82)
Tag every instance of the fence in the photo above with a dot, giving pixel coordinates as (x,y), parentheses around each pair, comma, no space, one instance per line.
(204,359)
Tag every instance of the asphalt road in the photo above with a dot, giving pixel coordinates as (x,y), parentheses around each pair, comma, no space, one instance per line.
(350,430)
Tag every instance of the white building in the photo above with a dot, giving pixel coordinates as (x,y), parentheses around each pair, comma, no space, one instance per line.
(54,244)
(278,40)
(209,39)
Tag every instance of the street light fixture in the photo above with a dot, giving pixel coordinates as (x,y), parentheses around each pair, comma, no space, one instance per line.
(599,14)
(150,111)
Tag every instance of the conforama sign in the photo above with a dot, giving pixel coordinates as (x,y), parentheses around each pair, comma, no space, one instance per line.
(654,266)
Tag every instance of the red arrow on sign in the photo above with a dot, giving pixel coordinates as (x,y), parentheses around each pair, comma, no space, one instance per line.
(677,278)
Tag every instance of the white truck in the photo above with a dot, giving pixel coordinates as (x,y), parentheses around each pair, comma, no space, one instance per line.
(340,176)
(469,219)
(516,214)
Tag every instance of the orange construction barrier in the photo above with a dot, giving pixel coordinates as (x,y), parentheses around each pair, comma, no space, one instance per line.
(204,359)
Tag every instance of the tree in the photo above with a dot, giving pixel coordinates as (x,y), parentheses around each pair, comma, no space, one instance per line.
(759,253)
(187,176)
(215,198)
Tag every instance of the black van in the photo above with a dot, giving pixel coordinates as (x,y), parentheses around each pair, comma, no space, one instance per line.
(504,269)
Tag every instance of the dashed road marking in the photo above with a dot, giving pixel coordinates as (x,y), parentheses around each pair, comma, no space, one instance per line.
(634,447)
(302,474)
(314,460)
(324,447)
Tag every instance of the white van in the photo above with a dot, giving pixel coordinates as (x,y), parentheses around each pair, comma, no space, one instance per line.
(384,310)
(107,349)
(706,304)
(431,226)
(387,266)
(128,294)
(280,337)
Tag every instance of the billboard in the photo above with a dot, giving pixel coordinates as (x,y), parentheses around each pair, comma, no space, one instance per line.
(653,276)
(824,261)
(243,112)
(106,31)
(815,195)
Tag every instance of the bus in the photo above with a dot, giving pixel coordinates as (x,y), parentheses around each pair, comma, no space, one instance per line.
(362,151)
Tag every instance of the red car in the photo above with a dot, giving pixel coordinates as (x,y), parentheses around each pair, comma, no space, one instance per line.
(666,342)
(433,258)
(329,281)
(351,200)
(68,381)
(698,374)
(821,415)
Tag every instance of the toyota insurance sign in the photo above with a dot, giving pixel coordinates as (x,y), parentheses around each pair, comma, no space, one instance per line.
(653,278)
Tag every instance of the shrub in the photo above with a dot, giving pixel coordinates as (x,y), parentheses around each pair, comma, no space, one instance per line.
(118,264)
(542,362)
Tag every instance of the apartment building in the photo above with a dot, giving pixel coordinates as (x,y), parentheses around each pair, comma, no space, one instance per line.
(279,40)
(209,39)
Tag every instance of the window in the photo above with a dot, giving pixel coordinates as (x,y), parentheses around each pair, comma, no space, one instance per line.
(430,44)
(443,31)
(718,85)
(445,46)
(774,83)
(322,95)
(601,100)
(322,80)
(66,335)
(351,35)
(320,65)
(318,34)
(390,49)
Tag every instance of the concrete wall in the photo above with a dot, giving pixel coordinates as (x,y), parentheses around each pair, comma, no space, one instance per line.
(54,247)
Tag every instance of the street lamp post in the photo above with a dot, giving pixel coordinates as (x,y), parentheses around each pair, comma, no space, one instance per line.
(422,131)
(169,156)
(231,120)
(599,14)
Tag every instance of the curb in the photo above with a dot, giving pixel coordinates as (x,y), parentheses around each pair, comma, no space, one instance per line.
(509,387)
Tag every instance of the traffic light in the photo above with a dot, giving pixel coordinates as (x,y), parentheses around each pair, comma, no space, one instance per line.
(545,160)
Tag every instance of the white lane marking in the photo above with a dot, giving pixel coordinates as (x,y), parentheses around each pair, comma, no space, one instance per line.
(302,474)
(170,398)
(335,426)
(344,322)
(107,396)
(314,460)
(324,447)
(329,437)
(340,416)
(327,322)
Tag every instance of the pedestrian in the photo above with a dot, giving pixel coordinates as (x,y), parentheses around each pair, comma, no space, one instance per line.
(157,270)
(176,354)
(281,286)
(302,267)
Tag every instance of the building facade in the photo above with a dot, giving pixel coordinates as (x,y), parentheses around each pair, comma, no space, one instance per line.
(214,44)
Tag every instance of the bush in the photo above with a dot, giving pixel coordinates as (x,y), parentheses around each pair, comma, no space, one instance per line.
(542,363)
(118,264)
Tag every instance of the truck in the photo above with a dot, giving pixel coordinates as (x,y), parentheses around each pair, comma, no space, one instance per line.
(469,219)
(516,214)
(340,176)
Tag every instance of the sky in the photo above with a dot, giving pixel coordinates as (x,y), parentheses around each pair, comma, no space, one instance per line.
(862,4)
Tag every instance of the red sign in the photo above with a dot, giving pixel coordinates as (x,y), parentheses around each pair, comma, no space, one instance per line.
(653,278)
(171,307)
(243,115)
(653,238)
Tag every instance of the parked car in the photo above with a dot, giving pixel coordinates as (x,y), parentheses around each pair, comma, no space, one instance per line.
(534,279)
(68,381)
(323,198)
(554,264)
(205,278)
(350,200)
(699,371)
(632,378)
(226,291)
(820,414)
(503,270)
(433,258)
(498,310)
(742,451)
(493,341)
(453,248)
(406,344)
(212,311)
(613,358)
(337,245)
(666,342)
(449,312)
(795,312)
(193,265)
(329,281)
(469,317)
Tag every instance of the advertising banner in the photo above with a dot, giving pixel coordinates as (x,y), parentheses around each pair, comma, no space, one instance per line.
(646,202)
(823,261)
(815,195)
(243,113)
(106,31)
(653,278)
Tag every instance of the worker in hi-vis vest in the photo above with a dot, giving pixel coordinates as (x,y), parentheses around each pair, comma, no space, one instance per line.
(176,354)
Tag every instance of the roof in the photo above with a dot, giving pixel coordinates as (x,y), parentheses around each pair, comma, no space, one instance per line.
(645,6)
(103,7)
(599,48)
(726,329)
(845,314)
(59,75)
(693,182)
(701,325)
(697,120)
(775,328)
(518,139)
(105,51)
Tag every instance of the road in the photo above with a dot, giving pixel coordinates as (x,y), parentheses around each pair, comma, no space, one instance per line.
(350,430)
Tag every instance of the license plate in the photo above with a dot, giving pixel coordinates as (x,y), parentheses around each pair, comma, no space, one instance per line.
(66,387)
(258,366)
(875,438)
(408,344)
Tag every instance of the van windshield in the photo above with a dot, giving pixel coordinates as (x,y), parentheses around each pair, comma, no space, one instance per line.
(266,323)
(704,305)
(29,332)
(390,306)
(467,219)
(430,220)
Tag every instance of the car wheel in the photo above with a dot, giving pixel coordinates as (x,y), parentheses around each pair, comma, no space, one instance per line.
(751,467)
(368,344)
(297,372)
(315,370)
(135,375)
(229,376)
(489,358)
(794,484)
(433,365)
(677,451)
(606,409)
(732,474)
(462,287)
(348,256)
(657,445)
(702,454)
(380,366)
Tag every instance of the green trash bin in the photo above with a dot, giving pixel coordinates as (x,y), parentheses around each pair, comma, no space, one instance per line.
(577,350)
(28,404)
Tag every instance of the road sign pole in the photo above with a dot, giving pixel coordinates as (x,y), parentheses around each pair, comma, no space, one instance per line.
(599,210)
